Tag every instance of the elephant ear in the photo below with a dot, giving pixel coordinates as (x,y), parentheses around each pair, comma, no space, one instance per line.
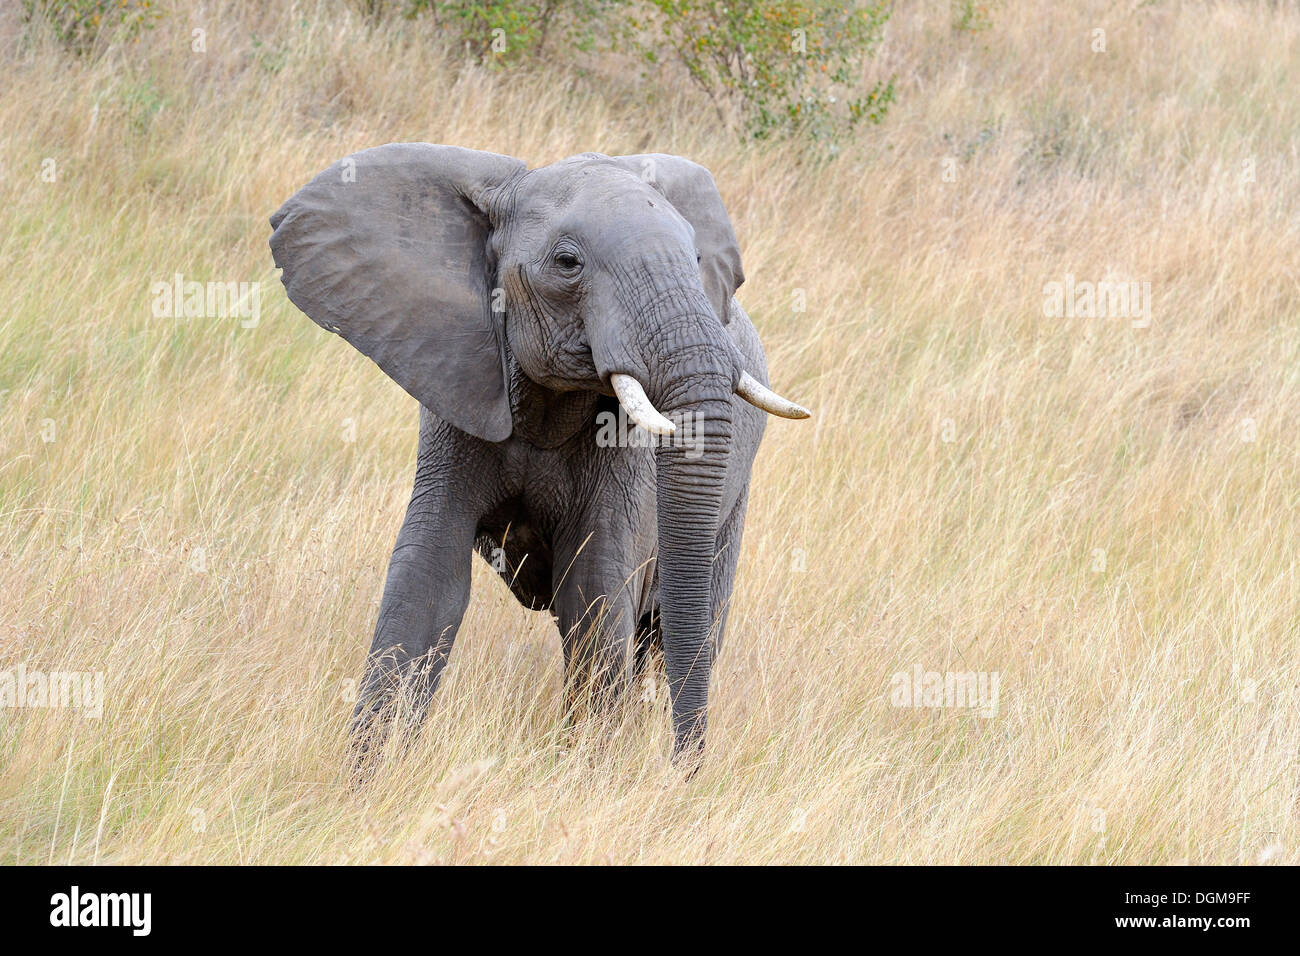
(693,193)
(389,249)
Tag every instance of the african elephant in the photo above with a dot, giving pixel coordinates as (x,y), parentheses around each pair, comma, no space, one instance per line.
(522,308)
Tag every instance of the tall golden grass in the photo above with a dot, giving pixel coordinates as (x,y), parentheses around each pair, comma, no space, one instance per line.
(1105,514)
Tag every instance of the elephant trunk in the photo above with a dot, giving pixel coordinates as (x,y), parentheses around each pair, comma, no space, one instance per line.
(691,378)
(691,477)
(675,370)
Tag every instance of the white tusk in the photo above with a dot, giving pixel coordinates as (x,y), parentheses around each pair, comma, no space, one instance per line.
(633,399)
(760,396)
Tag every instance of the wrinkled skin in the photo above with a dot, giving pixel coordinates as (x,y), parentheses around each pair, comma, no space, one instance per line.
(590,271)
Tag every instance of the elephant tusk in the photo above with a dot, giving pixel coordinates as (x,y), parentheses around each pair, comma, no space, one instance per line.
(638,407)
(760,396)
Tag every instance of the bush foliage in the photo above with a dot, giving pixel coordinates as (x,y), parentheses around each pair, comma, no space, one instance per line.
(787,65)
(78,24)
(769,67)
(509,32)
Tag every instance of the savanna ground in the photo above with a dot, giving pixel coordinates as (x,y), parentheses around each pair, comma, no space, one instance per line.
(1104,511)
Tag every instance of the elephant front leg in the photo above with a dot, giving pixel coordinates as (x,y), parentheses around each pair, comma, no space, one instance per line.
(425,596)
(595,610)
(724,568)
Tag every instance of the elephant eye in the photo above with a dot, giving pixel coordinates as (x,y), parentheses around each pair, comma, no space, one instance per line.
(698,258)
(567,261)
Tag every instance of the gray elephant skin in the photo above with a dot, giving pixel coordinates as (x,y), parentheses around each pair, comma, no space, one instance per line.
(527,310)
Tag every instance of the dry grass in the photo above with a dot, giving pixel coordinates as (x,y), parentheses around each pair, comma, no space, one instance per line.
(199,530)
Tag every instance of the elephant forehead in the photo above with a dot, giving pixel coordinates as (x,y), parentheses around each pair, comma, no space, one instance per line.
(606,210)
(592,185)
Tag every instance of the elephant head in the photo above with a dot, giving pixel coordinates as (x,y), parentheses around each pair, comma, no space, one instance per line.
(606,274)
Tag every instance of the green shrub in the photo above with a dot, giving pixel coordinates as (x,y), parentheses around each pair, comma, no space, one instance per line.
(79,23)
(968,16)
(785,65)
(780,66)
(510,31)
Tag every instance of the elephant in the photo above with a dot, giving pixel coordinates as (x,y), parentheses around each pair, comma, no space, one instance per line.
(531,312)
